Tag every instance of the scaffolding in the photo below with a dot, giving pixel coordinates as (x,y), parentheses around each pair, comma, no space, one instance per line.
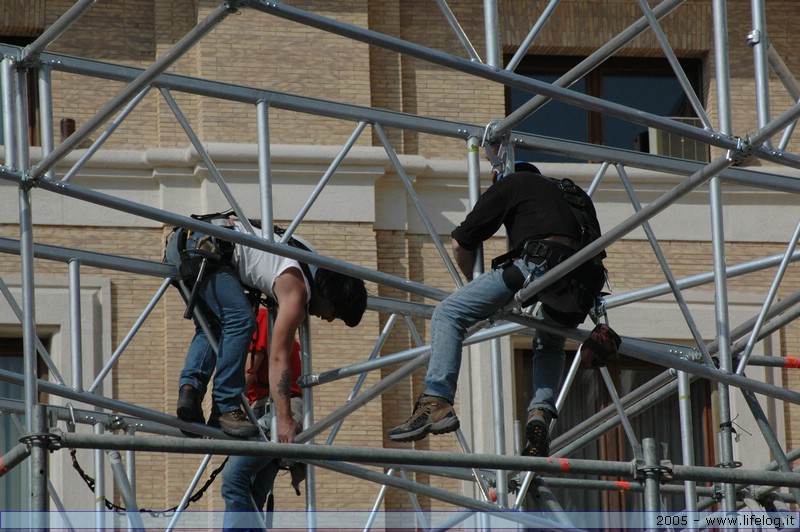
(502,479)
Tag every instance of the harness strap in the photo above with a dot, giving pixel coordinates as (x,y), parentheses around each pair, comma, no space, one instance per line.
(553,252)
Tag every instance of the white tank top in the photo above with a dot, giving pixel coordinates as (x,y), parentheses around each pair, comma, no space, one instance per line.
(259,269)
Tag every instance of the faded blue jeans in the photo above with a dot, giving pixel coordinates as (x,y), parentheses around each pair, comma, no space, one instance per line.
(474,302)
(246,483)
(221,293)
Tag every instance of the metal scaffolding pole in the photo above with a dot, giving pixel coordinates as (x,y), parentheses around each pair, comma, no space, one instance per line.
(293,451)
(725,435)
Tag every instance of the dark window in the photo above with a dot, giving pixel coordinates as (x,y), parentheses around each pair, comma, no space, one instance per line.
(645,84)
(589,394)
(14,484)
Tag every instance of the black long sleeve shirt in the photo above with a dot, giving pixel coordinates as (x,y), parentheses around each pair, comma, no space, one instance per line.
(529,205)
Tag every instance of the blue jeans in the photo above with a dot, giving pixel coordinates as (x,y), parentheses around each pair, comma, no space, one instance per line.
(474,302)
(220,293)
(223,295)
(246,483)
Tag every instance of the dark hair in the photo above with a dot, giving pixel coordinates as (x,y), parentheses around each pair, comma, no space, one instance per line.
(348,295)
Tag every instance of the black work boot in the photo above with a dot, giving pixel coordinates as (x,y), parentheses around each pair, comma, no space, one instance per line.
(431,414)
(190,407)
(237,424)
(538,432)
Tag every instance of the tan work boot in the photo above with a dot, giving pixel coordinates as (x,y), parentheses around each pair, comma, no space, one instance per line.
(237,424)
(431,414)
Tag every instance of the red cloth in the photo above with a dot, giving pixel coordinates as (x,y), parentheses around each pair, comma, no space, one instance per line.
(260,387)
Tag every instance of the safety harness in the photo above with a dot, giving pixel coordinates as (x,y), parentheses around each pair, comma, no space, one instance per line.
(200,253)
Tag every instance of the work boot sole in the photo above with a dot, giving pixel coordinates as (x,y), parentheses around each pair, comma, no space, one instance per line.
(537,432)
(442,426)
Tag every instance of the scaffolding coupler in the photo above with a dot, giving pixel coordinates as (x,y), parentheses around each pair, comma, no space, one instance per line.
(744,150)
(663,470)
(307,381)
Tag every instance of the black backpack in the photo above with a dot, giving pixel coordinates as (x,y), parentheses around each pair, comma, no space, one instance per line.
(592,274)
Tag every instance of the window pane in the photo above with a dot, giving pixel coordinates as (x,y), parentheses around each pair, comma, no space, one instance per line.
(555,119)
(14,484)
(659,95)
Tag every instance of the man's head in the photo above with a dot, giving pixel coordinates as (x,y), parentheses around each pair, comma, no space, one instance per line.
(347,297)
(519,166)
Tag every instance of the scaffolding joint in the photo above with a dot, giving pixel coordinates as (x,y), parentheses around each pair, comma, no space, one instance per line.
(47,438)
(753,38)
(663,470)
(491,137)
(27,59)
(117,423)
(27,182)
(307,381)
(234,5)
(744,150)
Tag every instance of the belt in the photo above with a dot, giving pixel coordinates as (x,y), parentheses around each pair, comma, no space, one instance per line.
(552,251)
(564,240)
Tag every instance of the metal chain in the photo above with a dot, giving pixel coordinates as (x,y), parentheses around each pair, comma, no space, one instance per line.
(111,506)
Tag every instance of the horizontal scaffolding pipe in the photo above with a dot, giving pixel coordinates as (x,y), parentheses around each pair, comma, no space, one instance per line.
(532,521)
(700,370)
(293,451)
(90,258)
(649,161)
(74,416)
(446,128)
(366,455)
(114,405)
(252,95)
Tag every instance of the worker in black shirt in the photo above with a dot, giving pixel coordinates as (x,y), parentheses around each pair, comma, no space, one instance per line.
(542,231)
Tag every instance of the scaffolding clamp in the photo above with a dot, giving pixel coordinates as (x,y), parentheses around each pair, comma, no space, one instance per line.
(117,423)
(744,150)
(234,5)
(307,381)
(663,469)
(47,438)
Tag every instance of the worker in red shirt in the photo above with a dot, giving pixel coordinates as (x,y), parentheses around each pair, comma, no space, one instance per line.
(247,481)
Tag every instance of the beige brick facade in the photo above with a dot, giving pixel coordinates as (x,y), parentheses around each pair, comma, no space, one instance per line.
(262,51)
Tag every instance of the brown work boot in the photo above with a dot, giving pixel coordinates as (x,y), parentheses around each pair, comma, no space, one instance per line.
(431,414)
(237,424)
(538,433)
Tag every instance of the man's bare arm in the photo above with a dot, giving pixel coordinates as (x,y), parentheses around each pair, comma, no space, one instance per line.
(290,291)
